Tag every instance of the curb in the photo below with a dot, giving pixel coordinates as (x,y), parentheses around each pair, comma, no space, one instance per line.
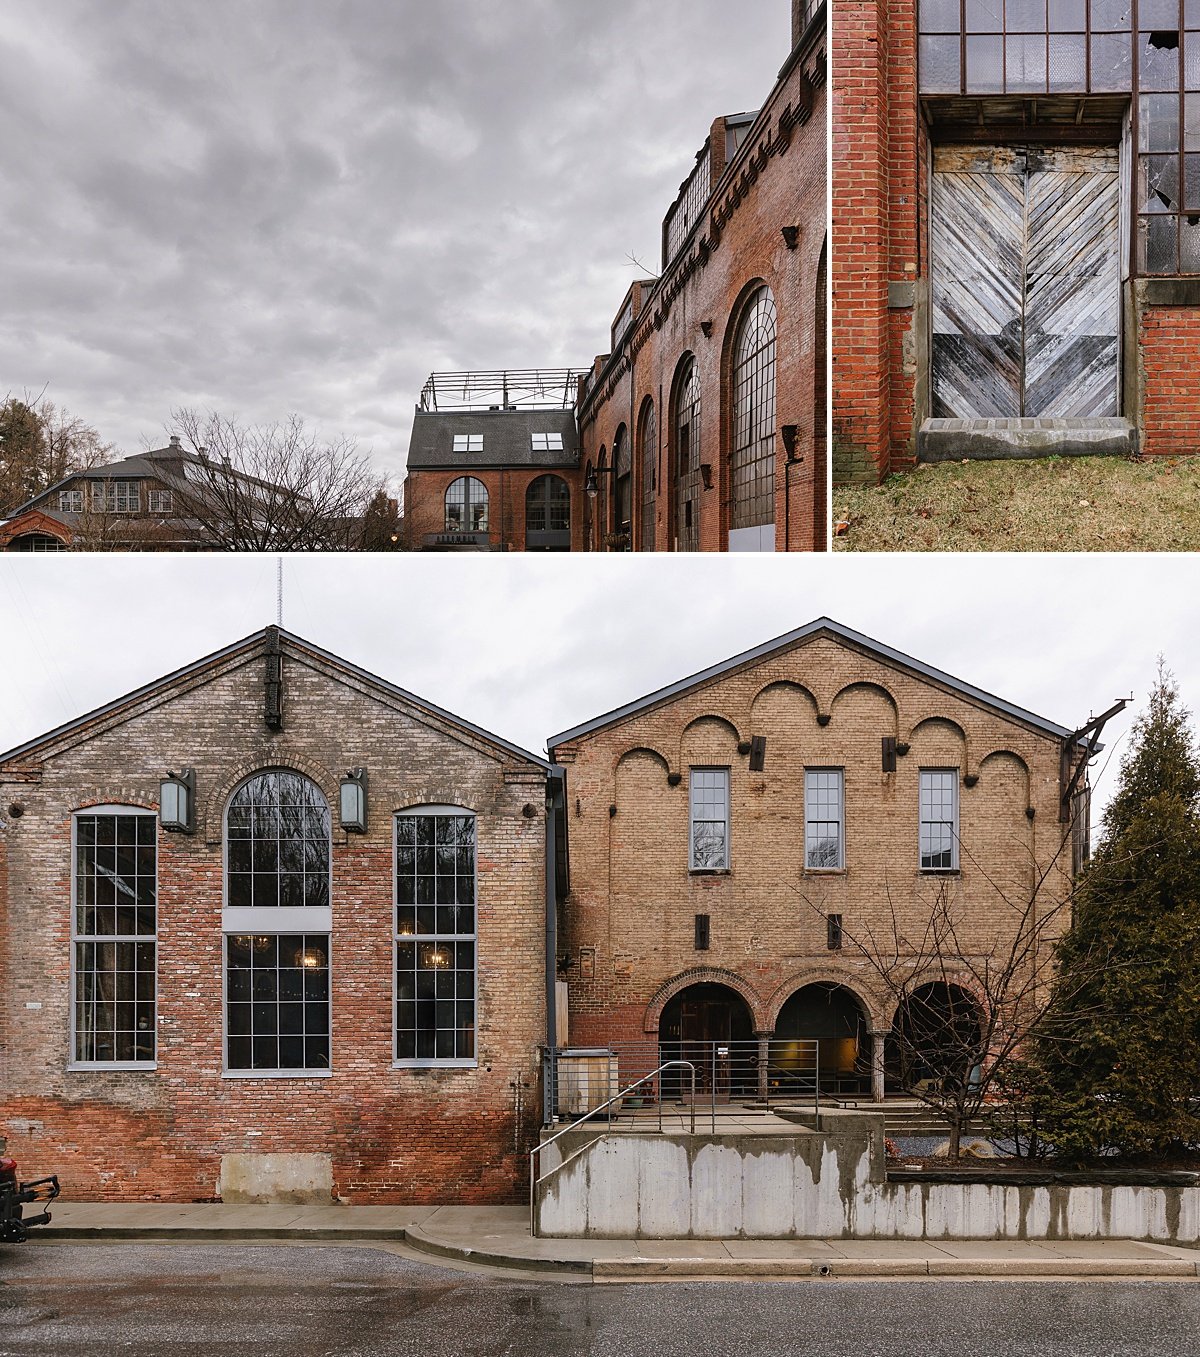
(205,1234)
(422,1243)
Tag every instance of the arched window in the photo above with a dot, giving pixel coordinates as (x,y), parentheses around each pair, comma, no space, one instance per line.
(37,541)
(277,925)
(600,505)
(752,459)
(686,458)
(467,505)
(622,490)
(648,443)
(548,515)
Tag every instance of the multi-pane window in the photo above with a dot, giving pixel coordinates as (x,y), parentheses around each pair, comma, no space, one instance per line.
(939,819)
(623,487)
(468,442)
(752,464)
(116,497)
(824,818)
(687,458)
(467,505)
(114,929)
(159,501)
(546,442)
(688,207)
(277,852)
(649,445)
(548,505)
(277,1001)
(709,797)
(435,936)
(70,501)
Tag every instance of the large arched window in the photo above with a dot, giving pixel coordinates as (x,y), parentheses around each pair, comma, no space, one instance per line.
(548,515)
(622,491)
(37,541)
(752,460)
(277,925)
(686,458)
(466,505)
(648,445)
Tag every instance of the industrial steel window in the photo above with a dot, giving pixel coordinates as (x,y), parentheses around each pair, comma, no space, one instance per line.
(468,442)
(687,458)
(277,1002)
(70,501)
(545,442)
(709,796)
(752,463)
(648,442)
(824,819)
(277,843)
(548,505)
(467,505)
(114,927)
(623,489)
(939,819)
(435,936)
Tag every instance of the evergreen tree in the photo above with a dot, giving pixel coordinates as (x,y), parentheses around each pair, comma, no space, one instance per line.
(1121,1045)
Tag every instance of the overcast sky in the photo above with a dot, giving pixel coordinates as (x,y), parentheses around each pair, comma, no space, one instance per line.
(309,205)
(529,650)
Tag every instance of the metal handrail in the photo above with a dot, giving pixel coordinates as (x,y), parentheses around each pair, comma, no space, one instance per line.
(535,1183)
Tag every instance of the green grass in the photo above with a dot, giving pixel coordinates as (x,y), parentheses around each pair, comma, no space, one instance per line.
(1049,504)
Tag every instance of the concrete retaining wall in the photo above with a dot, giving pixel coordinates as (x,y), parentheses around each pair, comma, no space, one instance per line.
(827,1183)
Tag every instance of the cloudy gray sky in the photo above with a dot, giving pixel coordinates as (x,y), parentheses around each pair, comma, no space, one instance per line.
(527,651)
(308,205)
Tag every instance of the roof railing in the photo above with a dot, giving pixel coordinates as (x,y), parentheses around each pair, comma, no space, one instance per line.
(503,389)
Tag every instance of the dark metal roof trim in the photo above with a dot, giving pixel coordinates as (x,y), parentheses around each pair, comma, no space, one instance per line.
(790,638)
(246,643)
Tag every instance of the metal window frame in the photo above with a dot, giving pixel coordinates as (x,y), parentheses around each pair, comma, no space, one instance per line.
(710,768)
(467,442)
(841,820)
(467,501)
(753,407)
(318,1072)
(647,435)
(77,1066)
(687,411)
(455,1062)
(954,774)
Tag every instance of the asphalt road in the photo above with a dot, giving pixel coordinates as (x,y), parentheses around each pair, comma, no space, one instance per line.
(323,1301)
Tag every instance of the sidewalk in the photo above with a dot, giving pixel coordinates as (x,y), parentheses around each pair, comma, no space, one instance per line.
(499,1237)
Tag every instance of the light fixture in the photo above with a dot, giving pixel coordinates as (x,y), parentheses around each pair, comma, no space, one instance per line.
(177,801)
(353,801)
(591,484)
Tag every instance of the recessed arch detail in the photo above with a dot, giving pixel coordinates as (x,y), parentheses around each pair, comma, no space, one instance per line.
(643,751)
(704,975)
(216,802)
(873,1005)
(876,690)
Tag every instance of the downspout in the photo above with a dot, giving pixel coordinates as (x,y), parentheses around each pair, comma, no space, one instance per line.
(555,797)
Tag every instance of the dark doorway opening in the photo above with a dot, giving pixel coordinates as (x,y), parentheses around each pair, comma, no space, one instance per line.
(821,1032)
(936,1039)
(709,1025)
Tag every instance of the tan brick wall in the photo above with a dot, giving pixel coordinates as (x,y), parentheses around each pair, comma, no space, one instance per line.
(394,1134)
(634,900)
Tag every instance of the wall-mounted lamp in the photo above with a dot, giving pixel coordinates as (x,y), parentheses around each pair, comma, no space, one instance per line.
(591,486)
(177,802)
(352,801)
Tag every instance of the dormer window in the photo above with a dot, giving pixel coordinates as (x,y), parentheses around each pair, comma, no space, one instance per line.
(546,442)
(468,442)
(70,501)
(159,501)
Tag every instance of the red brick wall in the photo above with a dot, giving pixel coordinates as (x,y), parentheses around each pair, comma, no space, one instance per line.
(1170,341)
(394,1134)
(425,504)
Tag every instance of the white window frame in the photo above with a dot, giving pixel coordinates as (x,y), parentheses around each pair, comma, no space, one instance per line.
(160,501)
(811,818)
(546,442)
(693,820)
(953,775)
(417,1063)
(70,501)
(72,1063)
(272,921)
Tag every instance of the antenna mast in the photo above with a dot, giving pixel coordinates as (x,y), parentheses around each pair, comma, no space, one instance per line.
(279,591)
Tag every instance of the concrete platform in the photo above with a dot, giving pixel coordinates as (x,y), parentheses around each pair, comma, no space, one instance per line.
(498,1237)
(946,440)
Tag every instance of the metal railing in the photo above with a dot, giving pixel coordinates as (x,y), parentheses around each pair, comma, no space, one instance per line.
(500,389)
(535,1183)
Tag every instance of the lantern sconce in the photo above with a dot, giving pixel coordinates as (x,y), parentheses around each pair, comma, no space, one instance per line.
(177,802)
(353,801)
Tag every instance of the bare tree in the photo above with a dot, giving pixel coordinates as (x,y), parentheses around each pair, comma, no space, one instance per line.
(272,487)
(41,444)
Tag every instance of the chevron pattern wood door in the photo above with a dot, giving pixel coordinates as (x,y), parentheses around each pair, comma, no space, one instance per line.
(1025,282)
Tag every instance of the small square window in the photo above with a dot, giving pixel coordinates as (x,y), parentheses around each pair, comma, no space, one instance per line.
(468,442)
(159,501)
(70,501)
(546,442)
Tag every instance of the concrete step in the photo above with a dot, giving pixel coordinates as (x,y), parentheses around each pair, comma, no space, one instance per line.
(946,440)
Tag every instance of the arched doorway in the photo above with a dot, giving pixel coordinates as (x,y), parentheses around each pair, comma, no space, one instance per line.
(832,1017)
(548,515)
(936,1038)
(711,1026)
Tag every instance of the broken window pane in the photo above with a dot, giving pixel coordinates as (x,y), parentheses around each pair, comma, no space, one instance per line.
(1112,62)
(940,16)
(1068,63)
(940,59)
(1110,15)
(1159,183)
(1025,63)
(1156,244)
(1068,16)
(985,65)
(984,16)
(1158,60)
(1026,16)
(1158,122)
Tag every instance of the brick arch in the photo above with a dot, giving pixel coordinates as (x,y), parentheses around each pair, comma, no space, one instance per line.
(703,975)
(940,975)
(871,1004)
(641,749)
(214,815)
(868,686)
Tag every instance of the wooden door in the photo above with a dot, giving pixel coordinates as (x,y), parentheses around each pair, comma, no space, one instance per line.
(1025,282)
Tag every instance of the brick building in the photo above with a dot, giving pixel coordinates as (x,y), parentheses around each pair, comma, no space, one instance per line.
(1016,230)
(703,428)
(493,464)
(731,831)
(272,905)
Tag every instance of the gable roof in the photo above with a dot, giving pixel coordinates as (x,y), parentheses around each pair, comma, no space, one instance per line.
(822,625)
(506,438)
(248,644)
